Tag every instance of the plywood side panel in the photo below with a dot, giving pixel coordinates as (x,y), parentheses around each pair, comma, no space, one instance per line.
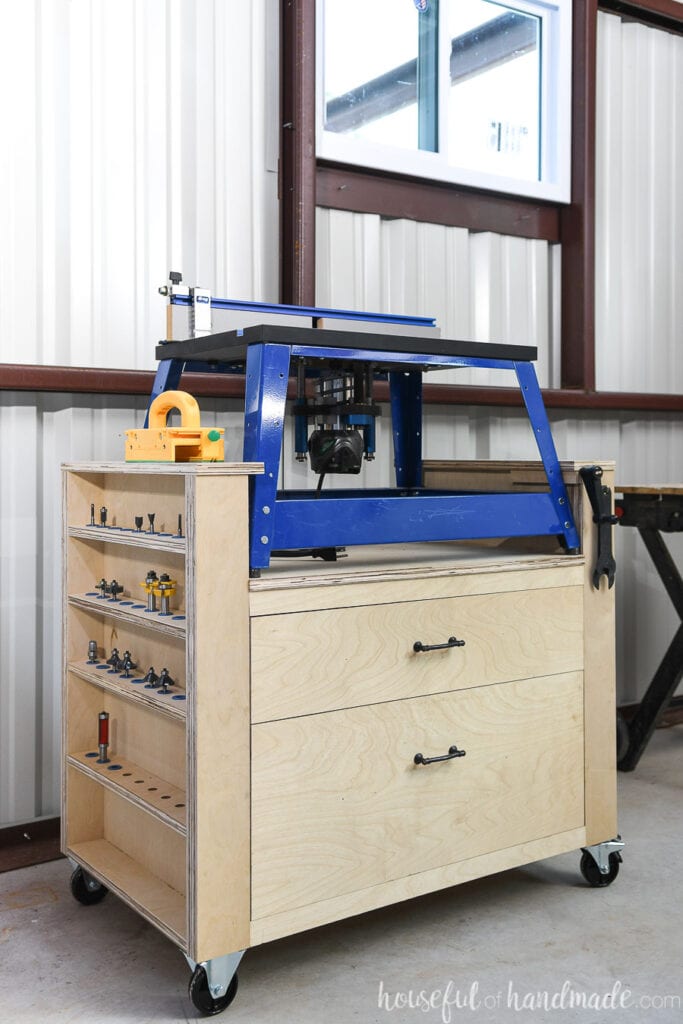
(218,716)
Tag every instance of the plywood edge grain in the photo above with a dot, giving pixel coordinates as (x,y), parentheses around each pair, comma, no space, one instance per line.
(167,468)
(316,914)
(157,902)
(218,717)
(649,489)
(422,583)
(506,466)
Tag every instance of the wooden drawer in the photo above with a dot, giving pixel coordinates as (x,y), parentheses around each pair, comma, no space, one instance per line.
(339,805)
(309,662)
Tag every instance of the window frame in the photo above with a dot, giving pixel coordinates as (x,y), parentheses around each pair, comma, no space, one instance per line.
(554,184)
(306,182)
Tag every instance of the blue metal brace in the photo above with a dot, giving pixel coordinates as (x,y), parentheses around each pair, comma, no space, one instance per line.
(405,391)
(533,400)
(264,420)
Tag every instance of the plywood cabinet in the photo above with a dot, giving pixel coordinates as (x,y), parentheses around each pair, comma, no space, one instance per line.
(276,788)
(154,820)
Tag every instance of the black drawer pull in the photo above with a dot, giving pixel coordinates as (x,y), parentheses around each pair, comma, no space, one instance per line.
(452,752)
(451,642)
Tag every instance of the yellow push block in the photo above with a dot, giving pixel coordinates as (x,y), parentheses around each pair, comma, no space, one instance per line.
(187,443)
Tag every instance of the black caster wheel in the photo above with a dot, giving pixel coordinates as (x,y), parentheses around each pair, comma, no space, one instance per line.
(591,872)
(200,995)
(86,889)
(623,738)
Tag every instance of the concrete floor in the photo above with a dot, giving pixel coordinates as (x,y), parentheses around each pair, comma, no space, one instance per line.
(532,929)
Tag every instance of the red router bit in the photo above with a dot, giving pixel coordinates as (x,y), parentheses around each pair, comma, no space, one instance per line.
(103,736)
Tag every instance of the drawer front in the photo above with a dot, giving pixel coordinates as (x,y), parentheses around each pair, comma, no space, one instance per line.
(339,805)
(310,662)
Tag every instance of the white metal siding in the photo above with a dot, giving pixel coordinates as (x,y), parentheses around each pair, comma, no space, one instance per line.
(639,212)
(156,129)
(43,431)
(479,286)
(138,137)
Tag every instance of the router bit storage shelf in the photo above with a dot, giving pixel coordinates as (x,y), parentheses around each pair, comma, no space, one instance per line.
(171,704)
(126,820)
(130,537)
(317,699)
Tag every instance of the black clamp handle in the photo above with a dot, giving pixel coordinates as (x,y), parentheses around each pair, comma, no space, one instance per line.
(452,752)
(418,646)
(600,498)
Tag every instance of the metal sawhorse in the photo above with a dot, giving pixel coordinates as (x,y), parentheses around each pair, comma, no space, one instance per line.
(653,511)
(304,519)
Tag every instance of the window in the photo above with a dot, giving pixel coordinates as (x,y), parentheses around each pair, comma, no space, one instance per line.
(473,92)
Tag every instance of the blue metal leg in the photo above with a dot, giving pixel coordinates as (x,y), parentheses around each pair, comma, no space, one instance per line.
(406,420)
(169,372)
(266,394)
(531,393)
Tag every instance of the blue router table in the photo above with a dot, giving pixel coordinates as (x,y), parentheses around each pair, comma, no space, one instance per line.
(282,520)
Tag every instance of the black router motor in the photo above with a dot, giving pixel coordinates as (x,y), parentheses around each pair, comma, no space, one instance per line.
(344,415)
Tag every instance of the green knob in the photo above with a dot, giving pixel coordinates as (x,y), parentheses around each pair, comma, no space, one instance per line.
(214,435)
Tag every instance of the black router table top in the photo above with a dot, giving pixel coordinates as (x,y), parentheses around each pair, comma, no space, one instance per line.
(231,347)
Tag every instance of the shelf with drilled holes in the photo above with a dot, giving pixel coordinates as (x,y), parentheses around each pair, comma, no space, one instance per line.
(142,787)
(130,537)
(134,688)
(128,610)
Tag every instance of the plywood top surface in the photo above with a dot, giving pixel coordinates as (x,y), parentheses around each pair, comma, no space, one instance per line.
(177,468)
(649,489)
(399,560)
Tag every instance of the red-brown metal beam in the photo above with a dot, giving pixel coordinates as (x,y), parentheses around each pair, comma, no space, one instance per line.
(346,188)
(79,380)
(577,221)
(297,152)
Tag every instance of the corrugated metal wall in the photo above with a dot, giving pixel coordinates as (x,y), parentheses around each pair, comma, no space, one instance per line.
(138,137)
(47,430)
(487,287)
(483,287)
(42,432)
(156,128)
(639,210)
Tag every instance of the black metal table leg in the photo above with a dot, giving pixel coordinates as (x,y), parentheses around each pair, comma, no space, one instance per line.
(670,670)
(655,702)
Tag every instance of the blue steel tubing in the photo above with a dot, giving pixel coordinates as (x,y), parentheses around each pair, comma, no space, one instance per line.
(265,399)
(405,393)
(533,400)
(435,361)
(306,522)
(317,312)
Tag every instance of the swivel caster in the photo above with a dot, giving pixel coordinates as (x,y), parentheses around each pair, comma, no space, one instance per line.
(86,889)
(201,996)
(600,863)
(623,738)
